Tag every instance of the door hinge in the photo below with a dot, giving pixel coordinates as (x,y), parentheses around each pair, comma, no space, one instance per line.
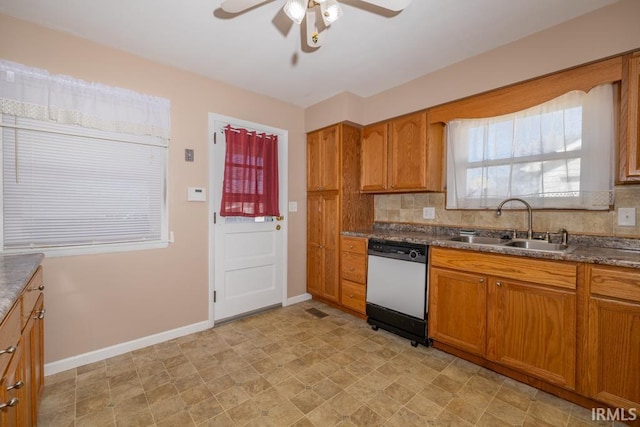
(215,137)
(215,217)
(214,296)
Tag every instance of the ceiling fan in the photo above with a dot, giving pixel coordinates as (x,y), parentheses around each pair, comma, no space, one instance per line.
(319,14)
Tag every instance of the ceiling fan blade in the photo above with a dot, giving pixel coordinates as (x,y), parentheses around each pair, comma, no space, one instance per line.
(237,6)
(394,5)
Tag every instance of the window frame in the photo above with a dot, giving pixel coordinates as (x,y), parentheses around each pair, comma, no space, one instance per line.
(166,237)
(527,93)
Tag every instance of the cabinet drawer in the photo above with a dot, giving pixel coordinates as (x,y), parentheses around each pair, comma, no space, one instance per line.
(354,267)
(542,272)
(353,296)
(354,244)
(9,335)
(30,295)
(616,282)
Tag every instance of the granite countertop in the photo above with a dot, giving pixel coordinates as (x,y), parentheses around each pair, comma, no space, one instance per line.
(587,249)
(15,272)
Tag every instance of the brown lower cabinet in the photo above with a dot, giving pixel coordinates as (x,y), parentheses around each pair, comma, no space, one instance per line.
(490,306)
(22,357)
(613,344)
(353,273)
(569,328)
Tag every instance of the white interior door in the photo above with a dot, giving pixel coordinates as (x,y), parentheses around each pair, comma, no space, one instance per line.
(247,256)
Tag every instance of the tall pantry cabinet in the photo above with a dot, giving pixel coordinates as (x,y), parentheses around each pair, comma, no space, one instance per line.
(334,204)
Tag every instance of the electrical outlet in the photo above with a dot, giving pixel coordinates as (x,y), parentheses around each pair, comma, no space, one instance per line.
(429,213)
(627,217)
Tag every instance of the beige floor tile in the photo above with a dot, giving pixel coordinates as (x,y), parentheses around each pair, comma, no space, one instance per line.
(548,413)
(101,418)
(384,405)
(287,367)
(244,412)
(205,410)
(464,408)
(141,418)
(307,400)
(324,415)
(407,418)
(506,412)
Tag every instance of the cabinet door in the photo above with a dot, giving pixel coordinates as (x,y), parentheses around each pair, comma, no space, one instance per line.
(322,245)
(373,173)
(33,362)
(12,392)
(408,152)
(533,329)
(331,247)
(314,243)
(323,159)
(314,158)
(613,352)
(330,155)
(630,126)
(457,309)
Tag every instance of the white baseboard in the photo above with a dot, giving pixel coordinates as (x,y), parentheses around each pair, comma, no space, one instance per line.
(297,299)
(118,349)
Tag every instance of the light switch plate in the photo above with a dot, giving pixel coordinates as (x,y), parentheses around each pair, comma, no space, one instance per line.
(627,217)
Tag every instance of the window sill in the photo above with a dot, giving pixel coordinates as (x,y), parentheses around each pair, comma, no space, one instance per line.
(90,249)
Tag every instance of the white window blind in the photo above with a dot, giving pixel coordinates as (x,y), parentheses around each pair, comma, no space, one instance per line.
(555,155)
(61,189)
(84,165)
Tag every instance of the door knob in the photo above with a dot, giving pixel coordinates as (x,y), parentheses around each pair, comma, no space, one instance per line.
(278,227)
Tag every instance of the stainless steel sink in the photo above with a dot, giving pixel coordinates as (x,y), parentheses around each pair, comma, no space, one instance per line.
(537,245)
(533,245)
(478,240)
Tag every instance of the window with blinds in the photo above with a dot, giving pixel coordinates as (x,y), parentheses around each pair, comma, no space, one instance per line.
(84,165)
(70,186)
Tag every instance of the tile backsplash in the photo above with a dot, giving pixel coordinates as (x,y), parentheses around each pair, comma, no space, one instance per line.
(407,208)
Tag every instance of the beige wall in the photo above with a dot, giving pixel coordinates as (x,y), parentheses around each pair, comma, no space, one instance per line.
(604,32)
(97,301)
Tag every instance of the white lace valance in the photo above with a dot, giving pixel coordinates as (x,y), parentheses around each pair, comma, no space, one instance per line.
(35,94)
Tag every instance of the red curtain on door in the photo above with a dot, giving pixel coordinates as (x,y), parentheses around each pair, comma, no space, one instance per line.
(250,186)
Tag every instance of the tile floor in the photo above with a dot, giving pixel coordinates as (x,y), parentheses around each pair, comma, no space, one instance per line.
(287,367)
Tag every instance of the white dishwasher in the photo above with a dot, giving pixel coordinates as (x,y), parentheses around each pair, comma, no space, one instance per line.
(397,289)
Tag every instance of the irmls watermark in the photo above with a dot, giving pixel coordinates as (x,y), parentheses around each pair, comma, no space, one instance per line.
(617,414)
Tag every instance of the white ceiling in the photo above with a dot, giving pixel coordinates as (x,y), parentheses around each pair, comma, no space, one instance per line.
(366,52)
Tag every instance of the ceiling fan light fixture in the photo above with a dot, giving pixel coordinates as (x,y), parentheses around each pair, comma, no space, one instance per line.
(331,11)
(296,10)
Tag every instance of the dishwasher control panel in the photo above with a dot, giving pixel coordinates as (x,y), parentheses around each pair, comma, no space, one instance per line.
(398,250)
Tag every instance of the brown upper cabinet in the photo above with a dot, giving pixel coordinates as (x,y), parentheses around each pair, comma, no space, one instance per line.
(323,172)
(401,155)
(629,151)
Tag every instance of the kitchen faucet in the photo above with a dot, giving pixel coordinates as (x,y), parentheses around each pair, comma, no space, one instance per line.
(515,199)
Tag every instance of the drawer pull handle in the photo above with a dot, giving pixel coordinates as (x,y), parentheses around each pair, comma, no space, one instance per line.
(13,402)
(10,350)
(351,268)
(16,386)
(40,314)
(498,283)
(481,280)
(41,288)
(351,296)
(350,246)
